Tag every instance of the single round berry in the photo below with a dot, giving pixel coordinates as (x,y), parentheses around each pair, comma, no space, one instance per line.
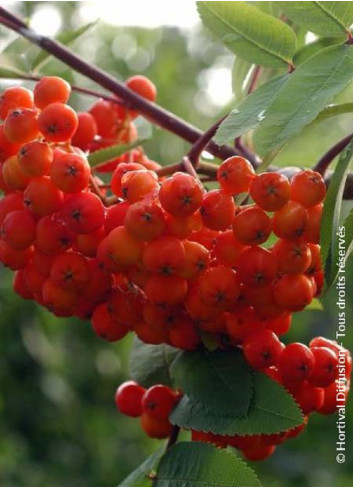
(18,229)
(290,221)
(51,89)
(257,267)
(21,125)
(235,175)
(158,401)
(155,428)
(35,158)
(219,287)
(217,210)
(58,122)
(14,97)
(293,292)
(270,191)
(181,195)
(252,226)
(325,370)
(70,172)
(262,349)
(308,188)
(164,255)
(293,256)
(296,363)
(128,398)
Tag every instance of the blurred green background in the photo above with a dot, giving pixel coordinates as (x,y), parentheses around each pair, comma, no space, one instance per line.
(58,423)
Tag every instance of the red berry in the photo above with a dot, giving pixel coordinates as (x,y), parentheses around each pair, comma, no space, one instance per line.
(325,370)
(181,195)
(308,188)
(158,401)
(262,349)
(257,267)
(14,97)
(296,363)
(58,122)
(290,221)
(155,428)
(235,175)
(293,292)
(128,398)
(270,191)
(217,210)
(252,226)
(51,89)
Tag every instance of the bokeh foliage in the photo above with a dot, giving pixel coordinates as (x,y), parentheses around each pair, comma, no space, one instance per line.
(58,424)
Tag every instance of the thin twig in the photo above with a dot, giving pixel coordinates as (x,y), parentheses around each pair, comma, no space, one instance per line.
(247,153)
(199,145)
(325,161)
(189,168)
(173,436)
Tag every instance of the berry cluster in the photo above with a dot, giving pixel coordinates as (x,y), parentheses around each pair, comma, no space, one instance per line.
(161,256)
(153,406)
(168,259)
(312,375)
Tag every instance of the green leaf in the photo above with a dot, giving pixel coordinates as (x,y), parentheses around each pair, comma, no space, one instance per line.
(108,154)
(240,71)
(202,373)
(348,227)
(250,112)
(66,38)
(195,464)
(313,48)
(249,33)
(18,54)
(9,72)
(150,364)
(333,110)
(272,410)
(329,240)
(308,90)
(329,19)
(140,476)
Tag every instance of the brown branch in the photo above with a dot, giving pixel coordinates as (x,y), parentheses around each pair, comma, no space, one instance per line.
(325,161)
(151,111)
(189,168)
(201,143)
(249,155)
